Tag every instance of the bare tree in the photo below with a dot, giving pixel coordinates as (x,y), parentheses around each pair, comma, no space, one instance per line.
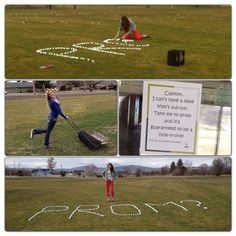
(51,163)
(228,164)
(204,169)
(227,161)
(188,165)
(218,167)
(90,170)
(164,170)
(138,172)
(7,171)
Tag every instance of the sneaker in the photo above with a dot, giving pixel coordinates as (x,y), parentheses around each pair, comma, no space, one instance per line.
(108,199)
(32,133)
(48,146)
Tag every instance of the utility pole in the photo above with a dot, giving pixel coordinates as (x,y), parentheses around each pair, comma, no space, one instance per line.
(34,89)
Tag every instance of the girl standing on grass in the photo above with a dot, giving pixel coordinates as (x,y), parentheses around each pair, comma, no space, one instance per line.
(130,30)
(55,111)
(109,175)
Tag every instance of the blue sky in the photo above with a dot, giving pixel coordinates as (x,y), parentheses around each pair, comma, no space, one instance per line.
(70,162)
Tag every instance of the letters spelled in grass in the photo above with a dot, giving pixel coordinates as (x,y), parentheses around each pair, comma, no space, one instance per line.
(160,205)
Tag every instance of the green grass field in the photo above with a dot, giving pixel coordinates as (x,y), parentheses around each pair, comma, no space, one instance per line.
(204,32)
(26,196)
(94,112)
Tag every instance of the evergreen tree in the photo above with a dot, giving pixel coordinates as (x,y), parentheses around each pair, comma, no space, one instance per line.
(172,167)
(180,163)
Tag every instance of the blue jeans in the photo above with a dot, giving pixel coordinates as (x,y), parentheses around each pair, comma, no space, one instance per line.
(51,123)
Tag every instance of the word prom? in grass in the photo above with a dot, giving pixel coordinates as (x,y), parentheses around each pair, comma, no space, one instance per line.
(122,210)
(109,46)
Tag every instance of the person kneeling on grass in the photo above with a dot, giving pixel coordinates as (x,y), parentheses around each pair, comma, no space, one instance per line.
(130,30)
(55,111)
(109,175)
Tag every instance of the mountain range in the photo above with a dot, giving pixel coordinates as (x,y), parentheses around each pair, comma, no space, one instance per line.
(130,168)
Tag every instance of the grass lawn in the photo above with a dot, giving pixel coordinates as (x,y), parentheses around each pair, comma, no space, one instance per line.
(93,112)
(204,32)
(26,196)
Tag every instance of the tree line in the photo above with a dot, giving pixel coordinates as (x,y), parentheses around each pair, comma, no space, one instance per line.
(218,167)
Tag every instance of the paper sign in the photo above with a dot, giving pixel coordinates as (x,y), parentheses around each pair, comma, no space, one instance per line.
(170,117)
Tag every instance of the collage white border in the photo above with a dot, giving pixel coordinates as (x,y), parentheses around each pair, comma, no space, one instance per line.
(2,124)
